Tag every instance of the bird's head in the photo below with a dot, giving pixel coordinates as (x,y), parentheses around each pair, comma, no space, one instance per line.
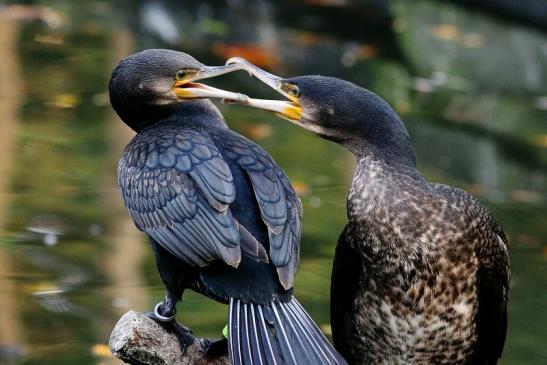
(332,108)
(146,84)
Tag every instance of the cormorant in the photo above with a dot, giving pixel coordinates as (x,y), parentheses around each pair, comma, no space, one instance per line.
(421,271)
(222,217)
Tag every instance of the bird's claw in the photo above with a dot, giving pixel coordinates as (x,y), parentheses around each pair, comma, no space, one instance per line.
(215,348)
(184,334)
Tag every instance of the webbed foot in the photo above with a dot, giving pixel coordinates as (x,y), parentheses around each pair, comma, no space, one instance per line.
(216,348)
(166,319)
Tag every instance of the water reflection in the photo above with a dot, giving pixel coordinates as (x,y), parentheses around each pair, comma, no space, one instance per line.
(469,86)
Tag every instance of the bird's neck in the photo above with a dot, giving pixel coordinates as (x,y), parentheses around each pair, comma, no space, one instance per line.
(377,190)
(386,141)
(377,217)
(203,112)
(386,164)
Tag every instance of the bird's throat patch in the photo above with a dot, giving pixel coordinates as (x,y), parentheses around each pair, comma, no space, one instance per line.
(292,112)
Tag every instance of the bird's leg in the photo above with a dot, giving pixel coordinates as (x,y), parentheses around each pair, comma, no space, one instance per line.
(172,274)
(166,310)
(164,315)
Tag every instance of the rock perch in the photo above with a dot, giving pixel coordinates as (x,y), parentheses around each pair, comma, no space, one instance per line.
(138,340)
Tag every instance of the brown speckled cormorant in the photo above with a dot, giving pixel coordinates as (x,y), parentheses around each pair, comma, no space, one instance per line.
(222,217)
(421,272)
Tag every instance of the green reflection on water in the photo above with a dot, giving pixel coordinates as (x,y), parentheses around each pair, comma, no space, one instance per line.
(477,136)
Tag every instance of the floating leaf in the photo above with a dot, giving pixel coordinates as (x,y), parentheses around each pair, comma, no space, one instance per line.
(258,131)
(42,287)
(101,349)
(471,40)
(539,140)
(49,39)
(356,53)
(367,51)
(445,32)
(402,106)
(65,101)
(476,189)
(260,56)
(300,187)
(526,196)
(304,38)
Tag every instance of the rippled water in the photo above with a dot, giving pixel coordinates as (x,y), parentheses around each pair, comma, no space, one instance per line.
(471,88)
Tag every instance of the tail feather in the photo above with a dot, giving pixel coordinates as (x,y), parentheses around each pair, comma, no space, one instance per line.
(255,340)
(269,353)
(276,334)
(233,331)
(322,356)
(286,341)
(316,333)
(313,348)
(268,321)
(245,341)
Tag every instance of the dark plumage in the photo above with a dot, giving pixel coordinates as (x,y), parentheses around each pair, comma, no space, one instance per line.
(421,273)
(222,217)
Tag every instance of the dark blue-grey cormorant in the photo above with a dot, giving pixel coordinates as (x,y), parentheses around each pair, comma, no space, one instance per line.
(421,271)
(222,217)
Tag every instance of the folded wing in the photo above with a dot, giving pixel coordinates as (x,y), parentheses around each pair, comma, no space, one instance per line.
(178,190)
(280,208)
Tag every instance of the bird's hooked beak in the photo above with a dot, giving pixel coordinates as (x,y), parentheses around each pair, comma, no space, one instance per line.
(186,88)
(288,109)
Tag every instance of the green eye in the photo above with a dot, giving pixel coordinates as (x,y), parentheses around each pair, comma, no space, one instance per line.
(181,74)
(294,91)
(291,89)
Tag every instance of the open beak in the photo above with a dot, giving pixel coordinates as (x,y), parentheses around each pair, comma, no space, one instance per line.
(288,109)
(188,89)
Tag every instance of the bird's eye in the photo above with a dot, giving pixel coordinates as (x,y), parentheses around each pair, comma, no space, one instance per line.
(181,74)
(294,91)
(291,89)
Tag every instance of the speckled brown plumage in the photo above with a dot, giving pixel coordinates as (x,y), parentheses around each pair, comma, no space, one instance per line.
(420,252)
